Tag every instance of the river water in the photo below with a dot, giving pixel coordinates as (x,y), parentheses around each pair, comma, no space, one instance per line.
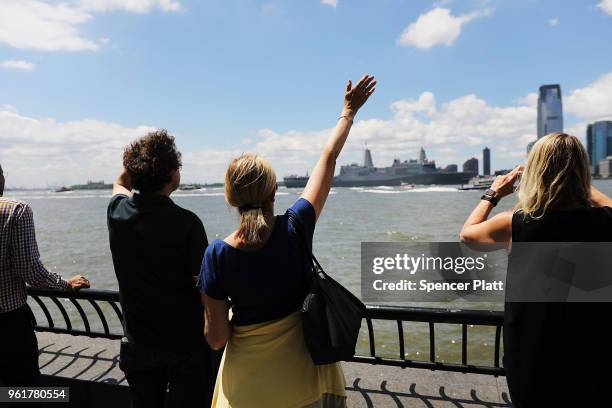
(72,238)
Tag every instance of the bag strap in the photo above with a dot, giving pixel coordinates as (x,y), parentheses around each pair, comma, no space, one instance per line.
(297,224)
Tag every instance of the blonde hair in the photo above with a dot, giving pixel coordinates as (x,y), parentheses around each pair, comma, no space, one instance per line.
(250,184)
(556,176)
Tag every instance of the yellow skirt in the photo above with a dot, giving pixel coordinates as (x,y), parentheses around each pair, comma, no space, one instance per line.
(268,365)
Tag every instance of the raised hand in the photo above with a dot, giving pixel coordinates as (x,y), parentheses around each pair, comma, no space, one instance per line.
(504,185)
(320,181)
(356,96)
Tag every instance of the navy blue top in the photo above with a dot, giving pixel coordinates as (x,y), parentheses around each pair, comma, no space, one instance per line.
(266,284)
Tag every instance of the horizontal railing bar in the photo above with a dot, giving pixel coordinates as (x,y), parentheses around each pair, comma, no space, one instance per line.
(473,369)
(95,294)
(381,312)
(435,315)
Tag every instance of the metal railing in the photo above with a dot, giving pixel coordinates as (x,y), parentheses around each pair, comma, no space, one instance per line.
(433,316)
(100,300)
(97,299)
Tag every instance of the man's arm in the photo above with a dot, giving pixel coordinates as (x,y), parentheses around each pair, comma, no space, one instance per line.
(24,252)
(123,184)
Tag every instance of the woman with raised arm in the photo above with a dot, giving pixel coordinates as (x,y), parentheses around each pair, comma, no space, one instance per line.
(544,341)
(260,267)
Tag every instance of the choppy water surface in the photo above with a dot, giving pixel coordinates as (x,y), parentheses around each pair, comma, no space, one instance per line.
(73,238)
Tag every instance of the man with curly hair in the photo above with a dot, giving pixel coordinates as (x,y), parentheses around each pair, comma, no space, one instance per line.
(157,250)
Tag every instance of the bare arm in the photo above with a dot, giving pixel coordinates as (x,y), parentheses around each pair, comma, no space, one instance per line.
(123,184)
(217,328)
(320,181)
(479,228)
(599,199)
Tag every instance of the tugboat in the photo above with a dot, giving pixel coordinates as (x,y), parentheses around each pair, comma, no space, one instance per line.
(189,187)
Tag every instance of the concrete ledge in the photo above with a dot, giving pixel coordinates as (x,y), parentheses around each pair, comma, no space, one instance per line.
(94,363)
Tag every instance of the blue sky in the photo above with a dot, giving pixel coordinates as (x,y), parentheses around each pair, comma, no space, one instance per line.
(79,79)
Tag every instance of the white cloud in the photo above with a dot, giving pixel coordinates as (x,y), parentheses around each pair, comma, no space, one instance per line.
(592,102)
(425,104)
(17,64)
(9,107)
(606,6)
(333,3)
(132,6)
(37,25)
(553,22)
(42,152)
(438,26)
(56,26)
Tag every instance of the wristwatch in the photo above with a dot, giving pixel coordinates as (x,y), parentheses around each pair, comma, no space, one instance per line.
(491,196)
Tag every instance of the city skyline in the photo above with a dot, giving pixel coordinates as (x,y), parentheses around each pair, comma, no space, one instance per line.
(81,79)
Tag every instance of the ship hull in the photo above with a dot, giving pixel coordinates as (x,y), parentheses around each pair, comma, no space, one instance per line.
(438,178)
(422,179)
(347,183)
(338,182)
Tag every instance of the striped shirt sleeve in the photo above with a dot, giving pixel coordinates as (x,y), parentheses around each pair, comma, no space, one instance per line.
(25,255)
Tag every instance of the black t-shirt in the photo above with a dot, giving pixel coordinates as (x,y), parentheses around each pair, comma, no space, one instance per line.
(552,350)
(157,249)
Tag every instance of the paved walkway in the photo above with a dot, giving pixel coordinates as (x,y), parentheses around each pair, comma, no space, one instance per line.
(367,385)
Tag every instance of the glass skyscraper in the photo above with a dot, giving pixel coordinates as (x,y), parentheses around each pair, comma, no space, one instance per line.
(550,110)
(486,161)
(599,142)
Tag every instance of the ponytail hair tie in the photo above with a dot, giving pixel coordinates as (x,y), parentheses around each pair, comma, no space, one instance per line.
(248,207)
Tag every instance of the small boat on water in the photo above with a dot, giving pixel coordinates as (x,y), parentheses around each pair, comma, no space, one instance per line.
(63,189)
(478,183)
(189,187)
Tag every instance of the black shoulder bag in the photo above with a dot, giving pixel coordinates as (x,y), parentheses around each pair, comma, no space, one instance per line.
(331,315)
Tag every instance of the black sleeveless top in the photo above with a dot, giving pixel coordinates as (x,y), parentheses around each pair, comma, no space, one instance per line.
(552,350)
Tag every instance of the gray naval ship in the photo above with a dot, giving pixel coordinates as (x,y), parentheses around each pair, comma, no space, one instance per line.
(414,171)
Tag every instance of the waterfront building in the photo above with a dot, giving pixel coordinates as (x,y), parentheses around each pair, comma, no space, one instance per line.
(486,161)
(599,143)
(605,167)
(471,166)
(451,168)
